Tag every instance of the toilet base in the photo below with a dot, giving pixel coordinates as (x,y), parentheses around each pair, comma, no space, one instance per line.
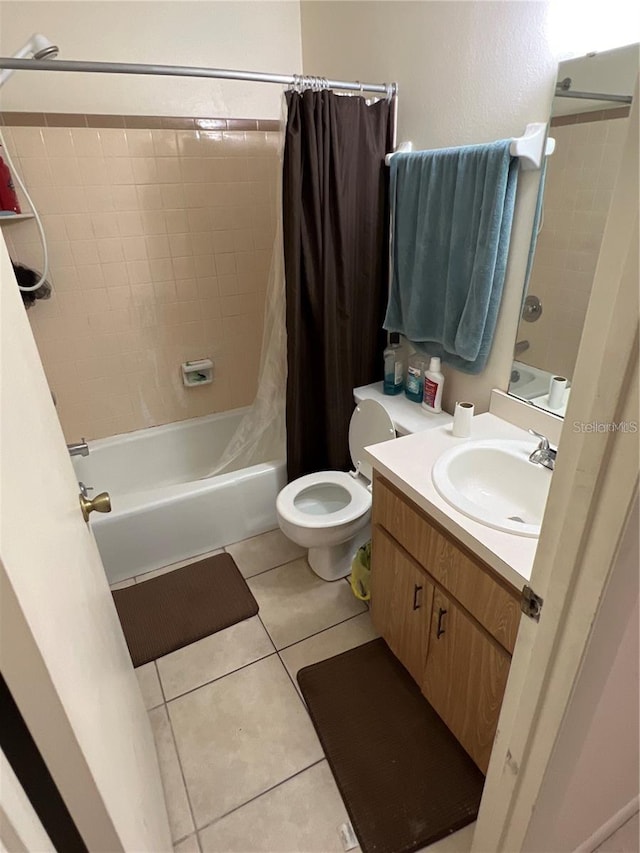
(334,562)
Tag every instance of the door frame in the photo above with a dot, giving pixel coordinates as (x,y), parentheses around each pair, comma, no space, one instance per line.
(26,770)
(591,496)
(20,827)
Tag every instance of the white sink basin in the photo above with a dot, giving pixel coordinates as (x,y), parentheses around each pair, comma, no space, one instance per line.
(494,483)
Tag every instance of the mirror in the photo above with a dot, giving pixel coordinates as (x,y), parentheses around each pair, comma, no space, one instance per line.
(589,123)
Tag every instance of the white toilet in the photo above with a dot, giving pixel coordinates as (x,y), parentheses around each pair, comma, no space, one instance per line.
(329,512)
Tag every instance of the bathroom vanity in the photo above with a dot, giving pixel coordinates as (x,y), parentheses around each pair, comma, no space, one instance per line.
(446,590)
(446,616)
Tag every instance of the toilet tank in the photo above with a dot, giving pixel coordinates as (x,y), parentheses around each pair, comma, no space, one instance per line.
(407,417)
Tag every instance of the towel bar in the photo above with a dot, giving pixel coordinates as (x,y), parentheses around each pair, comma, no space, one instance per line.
(401,149)
(527,147)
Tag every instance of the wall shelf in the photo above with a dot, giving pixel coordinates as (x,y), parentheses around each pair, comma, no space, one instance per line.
(16,217)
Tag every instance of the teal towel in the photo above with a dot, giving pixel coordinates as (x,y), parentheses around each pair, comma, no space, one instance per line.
(452,211)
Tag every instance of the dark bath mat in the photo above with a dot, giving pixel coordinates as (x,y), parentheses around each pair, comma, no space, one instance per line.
(404,778)
(168,612)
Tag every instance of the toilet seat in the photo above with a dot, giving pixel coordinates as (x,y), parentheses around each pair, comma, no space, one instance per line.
(302,501)
(329,512)
(328,499)
(370,424)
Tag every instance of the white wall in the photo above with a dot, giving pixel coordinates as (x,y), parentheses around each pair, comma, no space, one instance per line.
(594,770)
(468,72)
(252,35)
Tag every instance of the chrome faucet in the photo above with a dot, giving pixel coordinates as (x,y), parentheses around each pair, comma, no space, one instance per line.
(520,347)
(543,454)
(80,448)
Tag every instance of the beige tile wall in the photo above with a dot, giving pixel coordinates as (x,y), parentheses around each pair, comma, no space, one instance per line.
(160,243)
(580,180)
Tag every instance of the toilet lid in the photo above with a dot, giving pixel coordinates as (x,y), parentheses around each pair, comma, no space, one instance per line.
(370,424)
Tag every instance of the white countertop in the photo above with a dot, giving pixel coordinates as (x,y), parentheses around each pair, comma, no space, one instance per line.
(407,462)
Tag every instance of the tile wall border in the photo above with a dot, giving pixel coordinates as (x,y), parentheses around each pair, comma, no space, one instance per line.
(596,115)
(28,119)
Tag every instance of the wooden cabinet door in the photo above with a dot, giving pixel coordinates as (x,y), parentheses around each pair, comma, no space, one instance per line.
(491,600)
(465,678)
(401,603)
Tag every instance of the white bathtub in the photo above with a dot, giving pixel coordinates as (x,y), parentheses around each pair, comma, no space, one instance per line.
(162,511)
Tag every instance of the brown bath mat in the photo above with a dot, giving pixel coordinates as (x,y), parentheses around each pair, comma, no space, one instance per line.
(404,778)
(172,610)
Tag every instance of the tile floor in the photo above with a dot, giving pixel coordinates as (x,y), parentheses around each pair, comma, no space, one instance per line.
(241,765)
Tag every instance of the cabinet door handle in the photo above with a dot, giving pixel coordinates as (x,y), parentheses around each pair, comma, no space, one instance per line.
(416,590)
(440,631)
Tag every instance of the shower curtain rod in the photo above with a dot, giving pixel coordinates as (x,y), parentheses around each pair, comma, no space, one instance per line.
(595,96)
(388,89)
(563,91)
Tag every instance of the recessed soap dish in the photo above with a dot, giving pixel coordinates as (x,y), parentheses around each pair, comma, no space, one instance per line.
(198,372)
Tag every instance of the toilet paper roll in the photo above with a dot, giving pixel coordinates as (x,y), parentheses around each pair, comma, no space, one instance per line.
(557,387)
(462,419)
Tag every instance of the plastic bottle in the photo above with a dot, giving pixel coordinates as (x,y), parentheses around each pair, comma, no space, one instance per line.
(433,382)
(8,197)
(393,368)
(414,386)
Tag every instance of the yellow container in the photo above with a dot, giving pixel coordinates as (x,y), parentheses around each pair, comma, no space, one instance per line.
(361,573)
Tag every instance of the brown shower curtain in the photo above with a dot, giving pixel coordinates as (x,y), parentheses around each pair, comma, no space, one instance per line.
(335,228)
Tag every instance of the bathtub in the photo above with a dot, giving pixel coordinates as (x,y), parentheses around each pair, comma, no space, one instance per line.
(162,509)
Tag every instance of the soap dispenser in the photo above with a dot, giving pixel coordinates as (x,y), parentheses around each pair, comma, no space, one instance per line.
(393,366)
